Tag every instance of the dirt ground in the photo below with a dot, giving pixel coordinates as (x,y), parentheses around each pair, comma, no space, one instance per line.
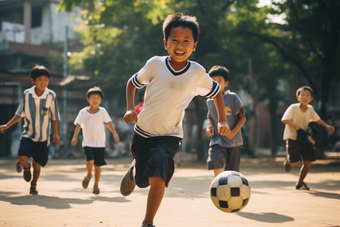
(274,200)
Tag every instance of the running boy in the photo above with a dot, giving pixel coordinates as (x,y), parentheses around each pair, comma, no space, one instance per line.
(91,119)
(171,83)
(296,118)
(225,150)
(39,108)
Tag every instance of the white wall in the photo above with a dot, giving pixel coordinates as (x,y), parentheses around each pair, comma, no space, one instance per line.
(53,24)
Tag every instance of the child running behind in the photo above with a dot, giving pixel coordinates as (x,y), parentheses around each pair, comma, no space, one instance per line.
(225,151)
(298,146)
(39,108)
(91,119)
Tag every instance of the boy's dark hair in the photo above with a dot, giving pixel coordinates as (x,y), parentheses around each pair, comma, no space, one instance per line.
(218,70)
(175,20)
(39,70)
(304,88)
(94,90)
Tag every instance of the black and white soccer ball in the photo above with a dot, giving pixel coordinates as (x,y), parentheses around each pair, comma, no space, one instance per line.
(230,191)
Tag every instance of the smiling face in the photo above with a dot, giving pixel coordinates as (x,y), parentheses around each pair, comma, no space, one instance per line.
(94,100)
(180,46)
(41,83)
(305,97)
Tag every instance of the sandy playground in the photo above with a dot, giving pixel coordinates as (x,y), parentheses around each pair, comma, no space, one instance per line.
(274,201)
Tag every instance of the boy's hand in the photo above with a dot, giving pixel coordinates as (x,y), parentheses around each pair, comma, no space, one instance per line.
(3,128)
(330,128)
(130,116)
(74,141)
(231,134)
(115,135)
(209,131)
(55,138)
(223,128)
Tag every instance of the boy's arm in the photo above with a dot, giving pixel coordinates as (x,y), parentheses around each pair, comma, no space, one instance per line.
(14,120)
(239,124)
(291,124)
(327,126)
(112,129)
(74,140)
(56,137)
(222,126)
(130,114)
(210,129)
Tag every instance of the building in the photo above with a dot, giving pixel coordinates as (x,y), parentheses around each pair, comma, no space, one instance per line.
(34,32)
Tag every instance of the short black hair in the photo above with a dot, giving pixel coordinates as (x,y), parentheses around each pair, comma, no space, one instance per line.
(218,70)
(304,88)
(39,70)
(175,20)
(94,90)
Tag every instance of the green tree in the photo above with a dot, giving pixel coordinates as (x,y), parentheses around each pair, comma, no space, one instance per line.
(310,41)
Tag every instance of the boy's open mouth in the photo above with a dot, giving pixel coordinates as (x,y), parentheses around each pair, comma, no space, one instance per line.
(179,53)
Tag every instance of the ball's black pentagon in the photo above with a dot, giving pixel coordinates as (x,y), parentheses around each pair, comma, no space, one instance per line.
(223,181)
(235,174)
(213,191)
(234,211)
(245,202)
(223,204)
(235,191)
(244,181)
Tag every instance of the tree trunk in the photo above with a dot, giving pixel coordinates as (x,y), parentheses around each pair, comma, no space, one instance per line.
(272,111)
(254,124)
(198,101)
(329,71)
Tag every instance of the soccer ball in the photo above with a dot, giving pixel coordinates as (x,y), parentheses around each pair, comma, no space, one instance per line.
(230,191)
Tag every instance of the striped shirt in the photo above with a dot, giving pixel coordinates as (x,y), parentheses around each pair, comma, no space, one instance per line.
(168,93)
(38,113)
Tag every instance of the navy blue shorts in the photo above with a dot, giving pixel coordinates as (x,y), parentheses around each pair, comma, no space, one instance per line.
(154,157)
(95,153)
(38,151)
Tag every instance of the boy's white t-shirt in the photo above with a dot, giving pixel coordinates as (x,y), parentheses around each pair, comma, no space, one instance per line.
(92,125)
(168,93)
(301,119)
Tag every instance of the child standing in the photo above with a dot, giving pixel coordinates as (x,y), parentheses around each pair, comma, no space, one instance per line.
(296,118)
(171,83)
(39,108)
(225,150)
(91,119)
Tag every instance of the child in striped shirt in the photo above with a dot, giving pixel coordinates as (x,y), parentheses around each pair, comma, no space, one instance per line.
(39,108)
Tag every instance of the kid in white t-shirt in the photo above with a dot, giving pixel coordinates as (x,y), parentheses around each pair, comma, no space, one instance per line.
(298,146)
(91,119)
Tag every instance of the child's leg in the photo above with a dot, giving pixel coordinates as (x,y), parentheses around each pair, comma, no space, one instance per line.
(304,170)
(217,171)
(24,161)
(97,171)
(89,166)
(156,193)
(36,172)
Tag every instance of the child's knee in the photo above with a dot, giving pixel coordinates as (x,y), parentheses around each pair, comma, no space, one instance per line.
(157,181)
(295,163)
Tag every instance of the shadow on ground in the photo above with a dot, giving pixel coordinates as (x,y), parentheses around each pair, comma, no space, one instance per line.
(266,217)
(52,202)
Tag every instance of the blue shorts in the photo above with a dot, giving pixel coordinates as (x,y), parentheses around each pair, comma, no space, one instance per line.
(154,157)
(38,151)
(224,157)
(95,153)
